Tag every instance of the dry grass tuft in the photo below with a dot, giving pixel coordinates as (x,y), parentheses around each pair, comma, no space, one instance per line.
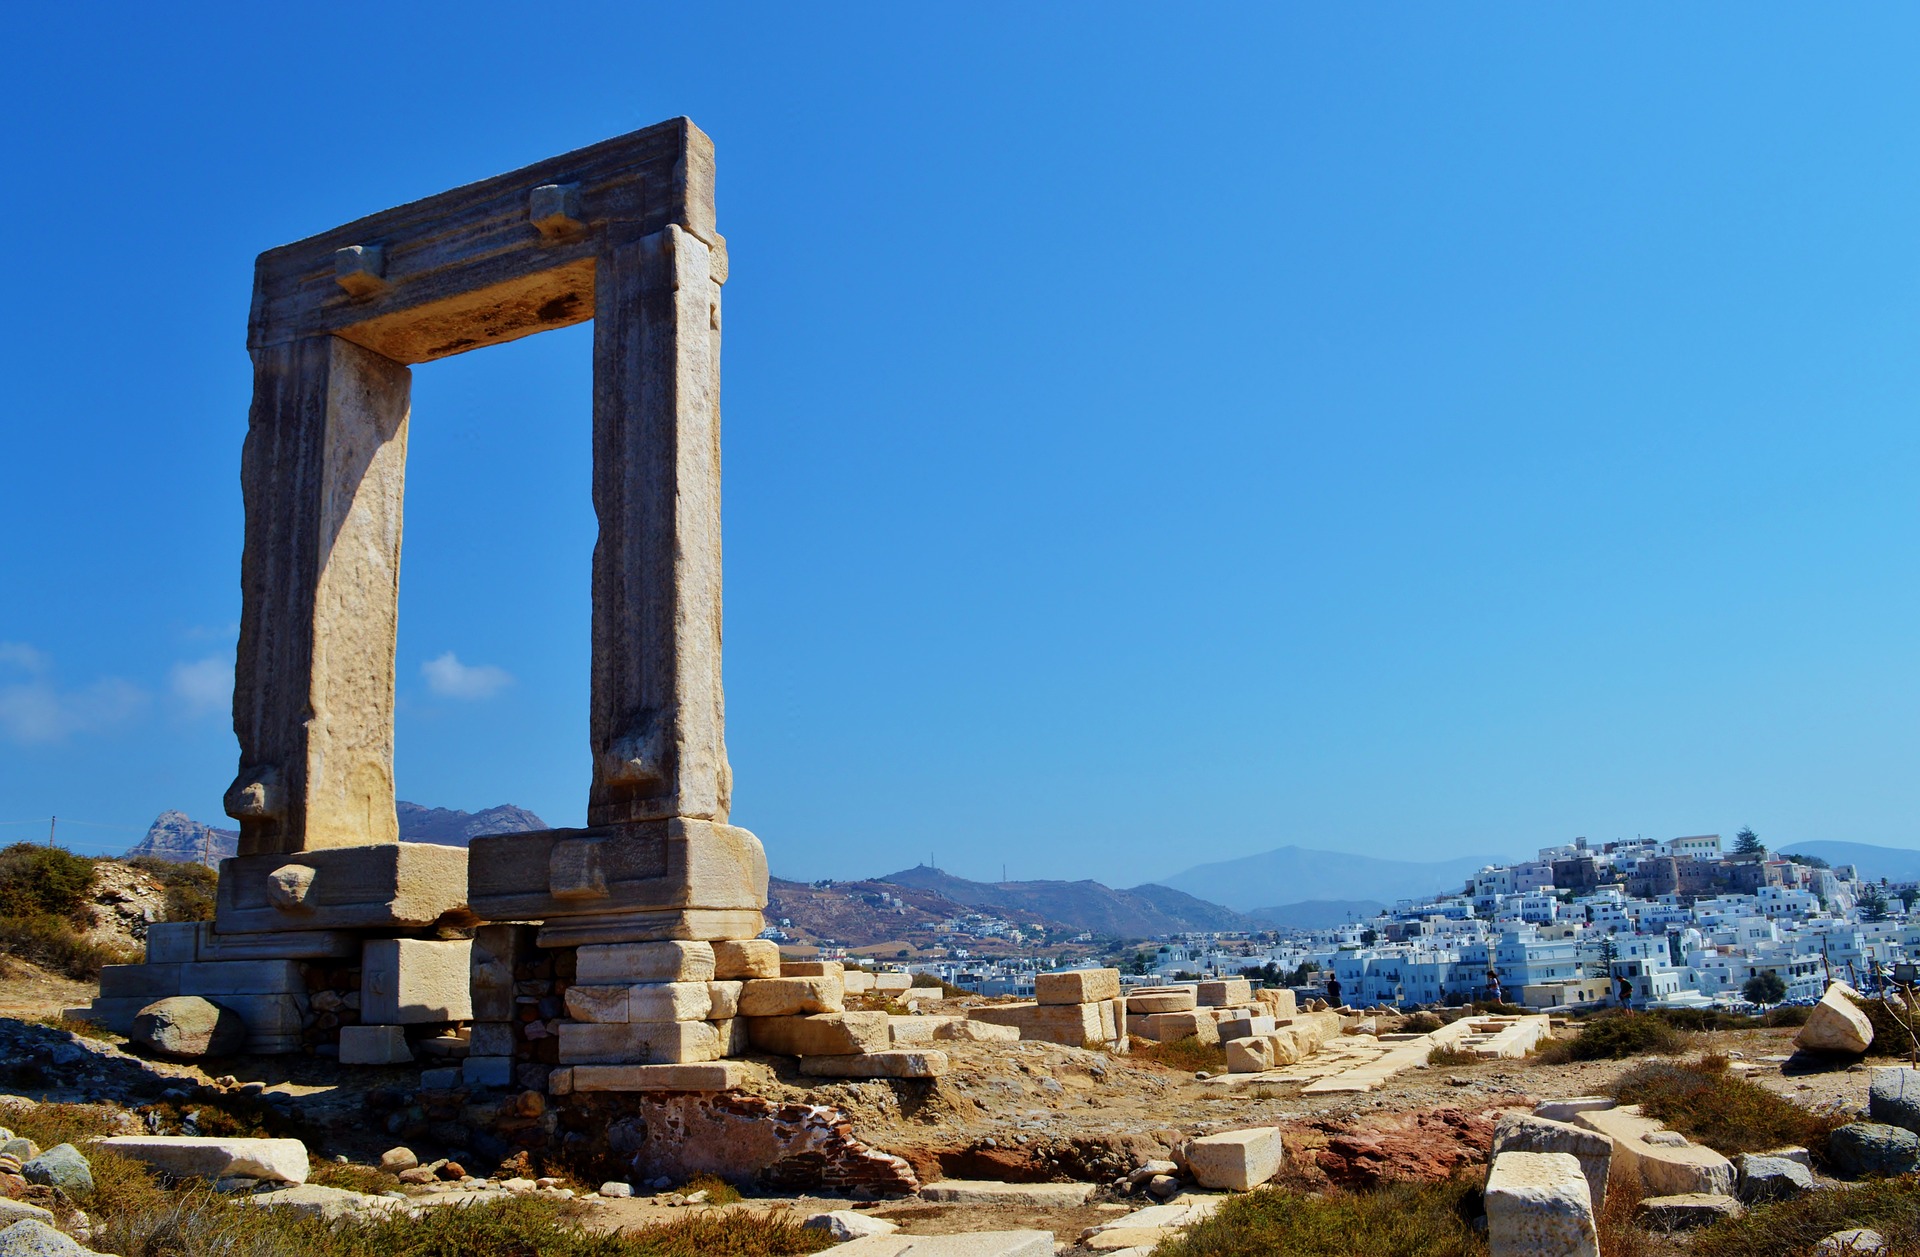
(1189,1054)
(1725,1112)
(1794,1227)
(1616,1036)
(1398,1220)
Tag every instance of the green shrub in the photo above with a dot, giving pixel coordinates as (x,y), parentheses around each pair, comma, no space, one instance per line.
(1398,1220)
(1890,1036)
(1615,1036)
(1453,1056)
(1726,1113)
(52,943)
(1421,1023)
(189,887)
(1786,1015)
(1794,1227)
(42,881)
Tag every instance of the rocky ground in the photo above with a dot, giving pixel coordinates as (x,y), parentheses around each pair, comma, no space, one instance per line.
(1022,1113)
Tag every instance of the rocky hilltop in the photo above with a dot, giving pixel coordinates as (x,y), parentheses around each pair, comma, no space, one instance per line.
(1142,912)
(177,837)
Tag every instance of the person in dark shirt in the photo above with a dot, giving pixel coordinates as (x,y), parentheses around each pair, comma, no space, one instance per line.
(1333,992)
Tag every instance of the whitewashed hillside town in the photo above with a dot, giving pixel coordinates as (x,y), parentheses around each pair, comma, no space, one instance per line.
(1651,924)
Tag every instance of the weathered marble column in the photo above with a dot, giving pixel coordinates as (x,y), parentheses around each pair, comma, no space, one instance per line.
(323,474)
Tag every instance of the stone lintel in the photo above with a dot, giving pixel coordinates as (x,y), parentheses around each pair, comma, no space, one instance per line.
(401,885)
(437,253)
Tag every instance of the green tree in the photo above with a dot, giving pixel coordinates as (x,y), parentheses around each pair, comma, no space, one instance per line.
(1873,903)
(1907,895)
(1369,937)
(1746,842)
(1764,988)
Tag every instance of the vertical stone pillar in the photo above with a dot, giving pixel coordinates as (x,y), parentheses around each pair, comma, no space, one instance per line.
(322,472)
(658,716)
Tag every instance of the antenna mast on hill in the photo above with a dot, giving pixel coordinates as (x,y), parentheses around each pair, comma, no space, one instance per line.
(52,823)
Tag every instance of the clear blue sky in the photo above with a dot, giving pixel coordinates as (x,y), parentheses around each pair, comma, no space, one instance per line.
(1150,437)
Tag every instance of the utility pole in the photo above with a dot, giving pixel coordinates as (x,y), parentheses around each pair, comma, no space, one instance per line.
(53,823)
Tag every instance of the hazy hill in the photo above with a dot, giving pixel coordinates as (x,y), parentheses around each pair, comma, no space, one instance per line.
(1138,913)
(451,828)
(1317,914)
(1288,875)
(1896,864)
(174,836)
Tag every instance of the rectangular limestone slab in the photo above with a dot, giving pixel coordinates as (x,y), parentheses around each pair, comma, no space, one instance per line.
(1167,1027)
(493,1038)
(1235,1160)
(1537,1202)
(639,1043)
(890,1064)
(821,1034)
(669,1001)
(411,981)
(1079,986)
(1224,992)
(142,982)
(374,1045)
(740,959)
(812,969)
(707,924)
(391,885)
(710,1076)
(194,1156)
(611,871)
(1070,1024)
(214,978)
(211,944)
(1144,1001)
(669,961)
(788,997)
(487,1071)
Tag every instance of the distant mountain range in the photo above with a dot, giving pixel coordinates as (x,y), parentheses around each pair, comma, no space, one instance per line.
(1290,875)
(175,836)
(1087,905)
(1896,864)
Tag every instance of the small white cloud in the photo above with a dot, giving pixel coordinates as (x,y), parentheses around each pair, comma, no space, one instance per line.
(24,657)
(203,686)
(449,678)
(38,711)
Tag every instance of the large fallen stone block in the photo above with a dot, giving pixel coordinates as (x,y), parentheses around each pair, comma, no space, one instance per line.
(415,981)
(1078,986)
(1863,1148)
(848,1224)
(1566,1110)
(1663,1168)
(893,1063)
(1168,1027)
(673,960)
(638,1043)
(820,1034)
(1836,1024)
(1537,1204)
(1250,1055)
(1516,1132)
(740,959)
(1070,1024)
(184,1156)
(1235,1160)
(187,1027)
(1895,1097)
(791,997)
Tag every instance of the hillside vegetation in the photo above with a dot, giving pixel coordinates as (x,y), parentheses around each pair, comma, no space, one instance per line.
(71,915)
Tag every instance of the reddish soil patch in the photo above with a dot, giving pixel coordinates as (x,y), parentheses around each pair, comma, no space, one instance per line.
(1424,1147)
